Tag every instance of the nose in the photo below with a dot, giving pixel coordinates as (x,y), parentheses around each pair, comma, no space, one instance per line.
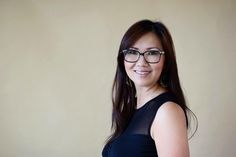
(141,61)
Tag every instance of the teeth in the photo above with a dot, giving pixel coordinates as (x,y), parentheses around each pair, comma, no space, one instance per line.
(142,72)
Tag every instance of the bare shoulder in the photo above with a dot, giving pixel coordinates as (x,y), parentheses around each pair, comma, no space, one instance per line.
(170,110)
(169,115)
(169,131)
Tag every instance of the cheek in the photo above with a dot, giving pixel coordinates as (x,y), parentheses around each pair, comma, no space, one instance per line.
(128,66)
(158,69)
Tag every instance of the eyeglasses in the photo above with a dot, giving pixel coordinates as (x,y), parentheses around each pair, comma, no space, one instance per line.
(150,56)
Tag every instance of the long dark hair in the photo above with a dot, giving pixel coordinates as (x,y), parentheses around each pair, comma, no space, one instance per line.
(123,89)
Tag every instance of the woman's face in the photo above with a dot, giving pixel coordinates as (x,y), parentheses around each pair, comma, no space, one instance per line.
(142,73)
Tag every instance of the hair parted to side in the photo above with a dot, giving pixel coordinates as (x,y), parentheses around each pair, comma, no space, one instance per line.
(123,89)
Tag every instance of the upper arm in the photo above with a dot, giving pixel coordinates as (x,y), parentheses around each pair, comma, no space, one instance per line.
(169,131)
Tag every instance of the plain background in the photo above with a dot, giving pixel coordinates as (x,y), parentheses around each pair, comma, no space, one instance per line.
(58,59)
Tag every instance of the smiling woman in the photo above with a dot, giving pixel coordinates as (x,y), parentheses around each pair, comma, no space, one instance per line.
(149,111)
(145,71)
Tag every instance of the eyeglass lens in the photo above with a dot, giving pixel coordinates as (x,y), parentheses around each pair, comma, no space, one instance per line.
(151,56)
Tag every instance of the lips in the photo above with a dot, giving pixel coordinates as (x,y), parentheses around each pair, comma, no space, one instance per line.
(142,72)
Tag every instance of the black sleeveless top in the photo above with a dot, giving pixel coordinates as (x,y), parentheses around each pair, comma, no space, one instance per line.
(136,140)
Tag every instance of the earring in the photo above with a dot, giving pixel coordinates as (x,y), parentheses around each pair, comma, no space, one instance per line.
(163,81)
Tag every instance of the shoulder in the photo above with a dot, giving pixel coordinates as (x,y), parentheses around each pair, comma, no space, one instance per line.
(169,130)
(169,114)
(170,110)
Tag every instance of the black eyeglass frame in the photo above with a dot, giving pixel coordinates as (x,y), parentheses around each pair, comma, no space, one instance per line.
(161,52)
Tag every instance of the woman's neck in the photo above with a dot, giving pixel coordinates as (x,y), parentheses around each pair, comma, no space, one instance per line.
(144,94)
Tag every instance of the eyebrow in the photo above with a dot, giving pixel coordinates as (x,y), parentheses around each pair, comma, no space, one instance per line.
(133,48)
(147,48)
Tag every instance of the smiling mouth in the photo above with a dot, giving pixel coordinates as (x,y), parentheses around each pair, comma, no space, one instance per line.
(142,72)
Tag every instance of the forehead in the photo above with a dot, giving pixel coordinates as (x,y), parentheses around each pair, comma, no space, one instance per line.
(148,40)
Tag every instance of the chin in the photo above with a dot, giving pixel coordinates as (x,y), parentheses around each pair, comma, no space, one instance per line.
(143,84)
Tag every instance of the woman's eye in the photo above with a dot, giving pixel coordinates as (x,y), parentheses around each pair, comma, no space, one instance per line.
(131,52)
(152,53)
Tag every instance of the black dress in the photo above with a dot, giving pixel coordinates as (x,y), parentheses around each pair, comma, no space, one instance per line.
(136,140)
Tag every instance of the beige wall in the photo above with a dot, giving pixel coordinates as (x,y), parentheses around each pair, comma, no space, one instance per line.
(57,61)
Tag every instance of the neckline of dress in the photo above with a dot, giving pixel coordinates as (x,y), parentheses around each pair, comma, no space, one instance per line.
(146,104)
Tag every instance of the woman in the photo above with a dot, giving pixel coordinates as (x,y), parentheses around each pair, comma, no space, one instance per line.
(149,117)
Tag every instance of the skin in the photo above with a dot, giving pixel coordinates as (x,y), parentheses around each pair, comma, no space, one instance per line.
(168,129)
